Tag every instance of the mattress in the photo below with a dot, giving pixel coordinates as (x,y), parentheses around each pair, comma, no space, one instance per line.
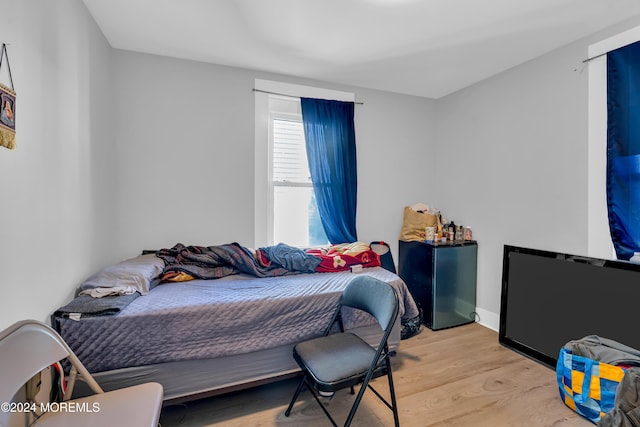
(207,319)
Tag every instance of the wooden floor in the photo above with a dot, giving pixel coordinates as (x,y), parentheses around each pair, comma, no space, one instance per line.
(454,377)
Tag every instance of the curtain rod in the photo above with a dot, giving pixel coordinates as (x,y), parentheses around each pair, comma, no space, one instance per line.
(290,96)
(594,57)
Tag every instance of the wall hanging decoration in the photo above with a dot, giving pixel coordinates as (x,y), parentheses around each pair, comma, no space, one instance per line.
(7,107)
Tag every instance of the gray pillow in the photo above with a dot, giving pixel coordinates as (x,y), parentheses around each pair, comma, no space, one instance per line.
(140,273)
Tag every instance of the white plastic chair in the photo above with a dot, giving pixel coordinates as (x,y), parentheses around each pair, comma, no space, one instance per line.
(29,346)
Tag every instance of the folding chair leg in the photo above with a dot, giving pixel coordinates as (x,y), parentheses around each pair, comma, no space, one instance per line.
(295,396)
(356,403)
(366,384)
(354,407)
(301,386)
(315,396)
(392,391)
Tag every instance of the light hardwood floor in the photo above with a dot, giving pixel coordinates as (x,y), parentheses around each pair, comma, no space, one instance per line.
(455,377)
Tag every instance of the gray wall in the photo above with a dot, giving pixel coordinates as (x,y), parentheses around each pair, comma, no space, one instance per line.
(119,152)
(518,143)
(185,154)
(55,189)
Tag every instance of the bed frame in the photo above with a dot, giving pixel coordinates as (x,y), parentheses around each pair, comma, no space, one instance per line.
(196,379)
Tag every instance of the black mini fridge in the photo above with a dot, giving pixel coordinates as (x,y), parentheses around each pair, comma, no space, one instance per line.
(442,279)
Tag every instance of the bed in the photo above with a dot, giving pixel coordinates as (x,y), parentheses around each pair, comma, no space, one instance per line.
(205,337)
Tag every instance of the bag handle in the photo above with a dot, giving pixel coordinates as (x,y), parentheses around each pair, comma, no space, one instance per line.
(586,380)
(3,53)
(565,362)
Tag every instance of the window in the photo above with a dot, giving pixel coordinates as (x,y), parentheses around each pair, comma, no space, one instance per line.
(296,220)
(276,200)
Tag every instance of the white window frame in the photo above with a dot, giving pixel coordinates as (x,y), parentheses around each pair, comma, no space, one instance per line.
(263,210)
(599,244)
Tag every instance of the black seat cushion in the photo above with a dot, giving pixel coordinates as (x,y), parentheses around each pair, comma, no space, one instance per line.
(335,359)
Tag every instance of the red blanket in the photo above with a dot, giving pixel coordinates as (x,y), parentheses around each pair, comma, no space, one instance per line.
(333,260)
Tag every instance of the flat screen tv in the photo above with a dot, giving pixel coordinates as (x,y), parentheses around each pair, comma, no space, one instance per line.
(550,298)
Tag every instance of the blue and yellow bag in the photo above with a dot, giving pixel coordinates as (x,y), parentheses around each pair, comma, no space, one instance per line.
(587,386)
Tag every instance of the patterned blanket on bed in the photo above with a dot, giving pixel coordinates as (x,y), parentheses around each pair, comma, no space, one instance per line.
(213,262)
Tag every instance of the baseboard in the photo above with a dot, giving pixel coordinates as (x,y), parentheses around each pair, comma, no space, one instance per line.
(488,319)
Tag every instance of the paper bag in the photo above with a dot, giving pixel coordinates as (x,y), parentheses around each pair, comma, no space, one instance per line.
(414,223)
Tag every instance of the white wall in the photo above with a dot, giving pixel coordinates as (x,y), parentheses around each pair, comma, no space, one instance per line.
(185,154)
(119,152)
(519,144)
(54,192)
(184,158)
(395,137)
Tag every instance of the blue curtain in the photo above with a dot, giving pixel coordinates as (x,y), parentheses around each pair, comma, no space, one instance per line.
(331,150)
(623,148)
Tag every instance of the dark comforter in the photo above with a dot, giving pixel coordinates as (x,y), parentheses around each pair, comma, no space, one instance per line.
(214,262)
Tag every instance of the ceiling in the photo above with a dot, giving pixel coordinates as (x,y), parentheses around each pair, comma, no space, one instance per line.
(420,47)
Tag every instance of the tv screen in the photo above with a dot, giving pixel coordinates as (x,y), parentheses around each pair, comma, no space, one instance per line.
(550,298)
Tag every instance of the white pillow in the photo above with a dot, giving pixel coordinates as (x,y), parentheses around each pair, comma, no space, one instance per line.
(140,273)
